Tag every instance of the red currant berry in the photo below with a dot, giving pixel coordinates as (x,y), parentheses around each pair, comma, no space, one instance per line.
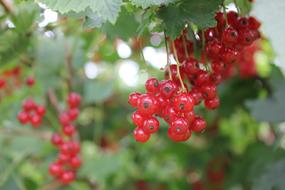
(253,23)
(64,119)
(55,169)
(56,139)
(151,125)
(212,103)
(191,66)
(30,81)
(198,125)
(23,117)
(232,18)
(209,91)
(68,130)
(75,162)
(40,110)
(73,114)
(133,99)
(74,100)
(183,103)
(67,177)
(2,83)
(196,94)
(243,23)
(36,121)
(147,104)
(168,88)
(138,119)
(189,116)
(169,114)
(140,135)
(230,36)
(179,126)
(152,85)
(74,147)
(28,105)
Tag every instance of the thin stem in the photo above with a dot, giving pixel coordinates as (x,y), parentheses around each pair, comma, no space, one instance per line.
(7,7)
(185,46)
(53,100)
(225,14)
(68,61)
(178,68)
(236,5)
(167,58)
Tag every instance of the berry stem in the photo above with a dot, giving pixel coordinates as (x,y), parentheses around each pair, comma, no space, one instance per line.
(68,61)
(236,5)
(53,100)
(167,58)
(225,14)
(178,68)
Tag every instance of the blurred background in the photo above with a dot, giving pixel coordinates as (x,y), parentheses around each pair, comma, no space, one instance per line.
(242,148)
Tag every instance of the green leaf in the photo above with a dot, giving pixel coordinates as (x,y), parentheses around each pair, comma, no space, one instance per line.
(199,12)
(97,91)
(125,27)
(173,20)
(147,3)
(107,9)
(272,177)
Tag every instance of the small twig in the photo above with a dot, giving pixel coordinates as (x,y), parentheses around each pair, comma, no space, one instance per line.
(178,68)
(68,61)
(167,58)
(53,100)
(7,7)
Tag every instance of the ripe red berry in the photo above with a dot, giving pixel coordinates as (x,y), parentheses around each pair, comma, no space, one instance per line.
(73,114)
(191,66)
(197,96)
(56,139)
(169,114)
(133,99)
(64,119)
(40,110)
(253,23)
(23,117)
(198,125)
(151,125)
(178,138)
(67,177)
(28,105)
(30,81)
(243,23)
(68,130)
(55,169)
(179,126)
(147,104)
(189,116)
(140,135)
(183,102)
(73,100)
(75,162)
(212,103)
(138,119)
(230,35)
(167,88)
(152,85)
(209,91)
(2,83)
(36,120)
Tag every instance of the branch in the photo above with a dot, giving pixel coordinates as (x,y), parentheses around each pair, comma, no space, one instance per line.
(7,7)
(53,100)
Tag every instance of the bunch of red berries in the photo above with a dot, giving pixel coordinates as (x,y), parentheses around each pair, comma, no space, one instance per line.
(64,169)
(32,113)
(190,82)
(166,100)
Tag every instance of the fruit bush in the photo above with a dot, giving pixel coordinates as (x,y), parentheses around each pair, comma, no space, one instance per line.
(142,94)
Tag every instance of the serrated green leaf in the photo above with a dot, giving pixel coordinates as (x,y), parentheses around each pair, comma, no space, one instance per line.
(107,9)
(125,27)
(147,3)
(199,12)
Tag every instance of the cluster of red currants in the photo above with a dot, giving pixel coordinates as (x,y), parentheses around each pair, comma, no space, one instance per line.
(64,168)
(32,113)
(190,82)
(166,100)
